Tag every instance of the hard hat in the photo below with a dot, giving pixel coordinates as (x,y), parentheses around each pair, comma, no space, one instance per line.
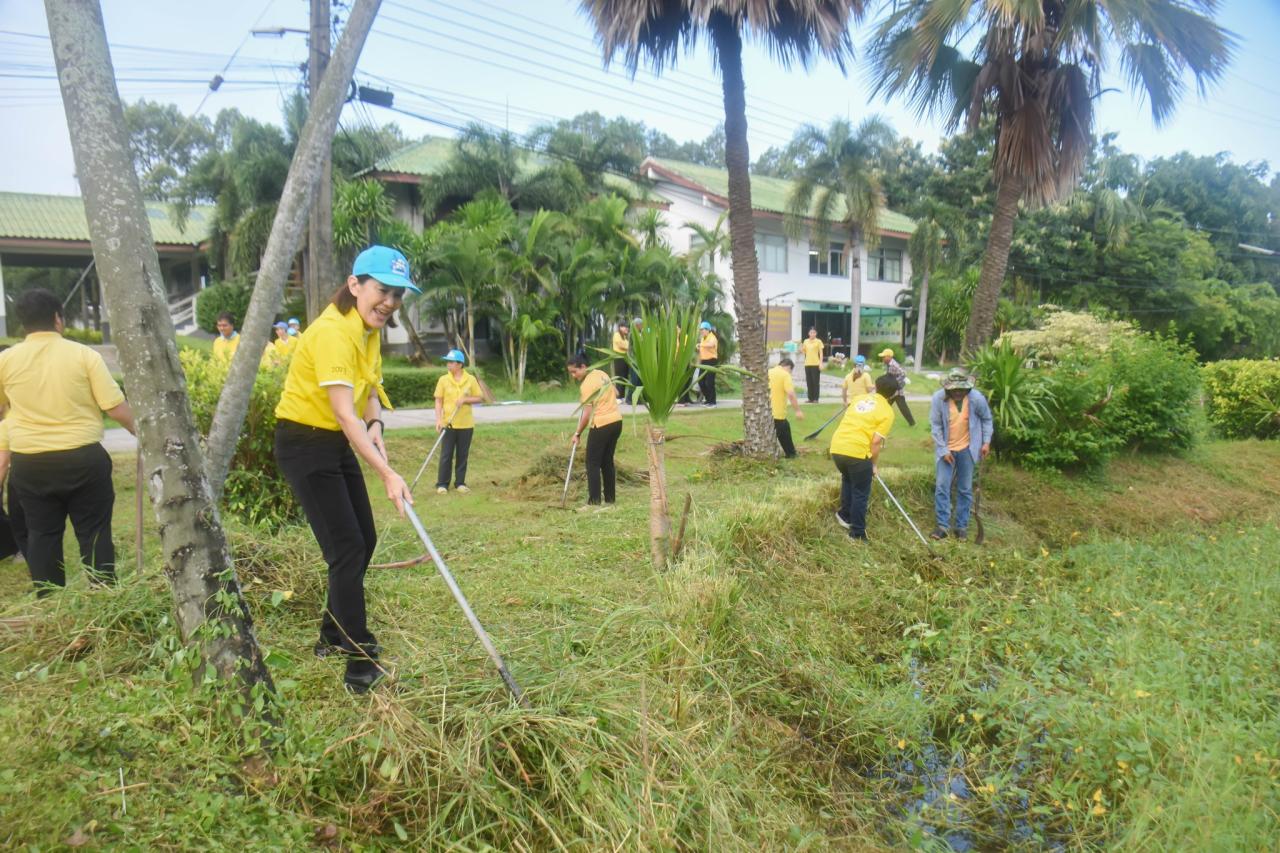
(455,355)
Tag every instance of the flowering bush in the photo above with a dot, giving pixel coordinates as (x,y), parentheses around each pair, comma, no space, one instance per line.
(1063,332)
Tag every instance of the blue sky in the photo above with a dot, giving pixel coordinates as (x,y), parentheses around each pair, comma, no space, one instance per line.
(513,63)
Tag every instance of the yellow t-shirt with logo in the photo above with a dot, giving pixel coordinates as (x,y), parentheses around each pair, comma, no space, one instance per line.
(858,384)
(620,343)
(337,349)
(812,349)
(780,386)
(56,391)
(226,347)
(605,403)
(709,346)
(867,416)
(452,390)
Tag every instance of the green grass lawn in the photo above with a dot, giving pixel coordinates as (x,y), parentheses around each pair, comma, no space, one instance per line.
(1101,673)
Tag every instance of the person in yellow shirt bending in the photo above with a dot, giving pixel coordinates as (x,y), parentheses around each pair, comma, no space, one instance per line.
(456,391)
(621,345)
(708,356)
(855,449)
(782,389)
(332,405)
(57,391)
(600,411)
(858,382)
(228,339)
(812,348)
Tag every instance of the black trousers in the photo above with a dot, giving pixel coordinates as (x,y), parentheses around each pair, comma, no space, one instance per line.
(325,477)
(901,400)
(52,487)
(707,382)
(601,443)
(812,379)
(621,370)
(855,492)
(13,529)
(783,430)
(454,450)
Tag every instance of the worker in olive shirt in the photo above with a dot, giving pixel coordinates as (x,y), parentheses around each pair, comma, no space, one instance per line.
(621,344)
(456,391)
(858,382)
(331,406)
(782,389)
(600,411)
(855,448)
(708,356)
(56,391)
(228,339)
(812,348)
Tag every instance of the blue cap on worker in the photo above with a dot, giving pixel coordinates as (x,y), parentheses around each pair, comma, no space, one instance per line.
(859,359)
(294,321)
(386,265)
(455,355)
(279,324)
(705,326)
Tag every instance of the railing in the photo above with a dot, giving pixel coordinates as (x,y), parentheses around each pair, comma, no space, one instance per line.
(183,311)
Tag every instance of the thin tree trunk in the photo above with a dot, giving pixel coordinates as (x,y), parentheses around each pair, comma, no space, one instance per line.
(208,604)
(982,316)
(855,292)
(659,516)
(920,324)
(282,245)
(412,331)
(757,419)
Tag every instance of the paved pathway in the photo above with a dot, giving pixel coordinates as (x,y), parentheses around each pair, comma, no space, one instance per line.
(119,441)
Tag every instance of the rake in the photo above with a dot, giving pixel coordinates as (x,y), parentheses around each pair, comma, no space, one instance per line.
(920,535)
(439,438)
(811,436)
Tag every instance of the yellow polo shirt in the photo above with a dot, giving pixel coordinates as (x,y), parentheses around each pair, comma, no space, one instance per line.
(867,416)
(4,439)
(57,391)
(452,390)
(858,384)
(337,349)
(620,343)
(226,347)
(812,349)
(780,385)
(285,346)
(709,346)
(605,405)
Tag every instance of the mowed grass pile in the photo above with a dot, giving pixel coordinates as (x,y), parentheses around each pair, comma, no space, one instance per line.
(1101,673)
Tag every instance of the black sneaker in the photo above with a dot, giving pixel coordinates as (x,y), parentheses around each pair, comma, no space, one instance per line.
(323,649)
(938,533)
(362,674)
(962,535)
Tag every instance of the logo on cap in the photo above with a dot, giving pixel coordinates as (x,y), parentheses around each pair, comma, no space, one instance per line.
(399,267)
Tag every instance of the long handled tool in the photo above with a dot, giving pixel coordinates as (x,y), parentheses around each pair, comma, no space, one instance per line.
(811,436)
(481,635)
(427,461)
(138,488)
(977,503)
(923,541)
(564,496)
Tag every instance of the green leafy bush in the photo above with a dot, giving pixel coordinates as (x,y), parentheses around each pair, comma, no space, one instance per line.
(411,387)
(230,296)
(1243,398)
(84,336)
(255,491)
(1154,384)
(1068,332)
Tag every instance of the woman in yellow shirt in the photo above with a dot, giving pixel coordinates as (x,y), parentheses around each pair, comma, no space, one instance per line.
(855,449)
(621,344)
(812,348)
(456,391)
(858,382)
(228,339)
(330,407)
(708,356)
(600,410)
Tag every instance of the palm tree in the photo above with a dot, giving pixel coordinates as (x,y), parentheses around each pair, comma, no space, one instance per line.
(1037,70)
(840,164)
(794,31)
(713,244)
(925,249)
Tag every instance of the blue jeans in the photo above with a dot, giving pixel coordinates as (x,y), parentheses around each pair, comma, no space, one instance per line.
(855,491)
(959,473)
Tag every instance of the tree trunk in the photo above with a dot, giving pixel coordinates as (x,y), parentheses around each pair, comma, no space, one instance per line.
(320,221)
(982,316)
(208,604)
(920,323)
(282,245)
(412,331)
(757,418)
(659,517)
(855,292)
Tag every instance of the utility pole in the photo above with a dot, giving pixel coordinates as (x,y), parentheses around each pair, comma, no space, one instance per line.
(319,279)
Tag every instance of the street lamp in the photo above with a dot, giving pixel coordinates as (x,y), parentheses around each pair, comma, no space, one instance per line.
(766,317)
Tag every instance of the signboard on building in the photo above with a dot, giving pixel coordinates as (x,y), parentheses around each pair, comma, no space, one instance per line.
(881,328)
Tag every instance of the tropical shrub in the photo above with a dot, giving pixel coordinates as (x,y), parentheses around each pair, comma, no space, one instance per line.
(1243,398)
(411,387)
(1155,383)
(230,296)
(255,491)
(1018,395)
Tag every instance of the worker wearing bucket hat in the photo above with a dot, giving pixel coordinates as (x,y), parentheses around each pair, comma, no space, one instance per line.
(892,368)
(858,382)
(962,427)
(456,391)
(330,413)
(708,356)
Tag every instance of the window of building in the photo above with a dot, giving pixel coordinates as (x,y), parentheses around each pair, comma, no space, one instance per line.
(771,252)
(696,245)
(829,263)
(884,265)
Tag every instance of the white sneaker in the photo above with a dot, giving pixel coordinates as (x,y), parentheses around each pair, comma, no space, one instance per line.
(840,520)
(463,490)
(442,490)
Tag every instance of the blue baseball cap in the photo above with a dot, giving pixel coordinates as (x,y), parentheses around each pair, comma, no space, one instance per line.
(293,320)
(454,354)
(386,265)
(704,325)
(280,325)
(859,359)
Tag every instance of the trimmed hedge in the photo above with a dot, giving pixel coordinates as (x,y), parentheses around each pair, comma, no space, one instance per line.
(1243,398)
(411,387)
(216,298)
